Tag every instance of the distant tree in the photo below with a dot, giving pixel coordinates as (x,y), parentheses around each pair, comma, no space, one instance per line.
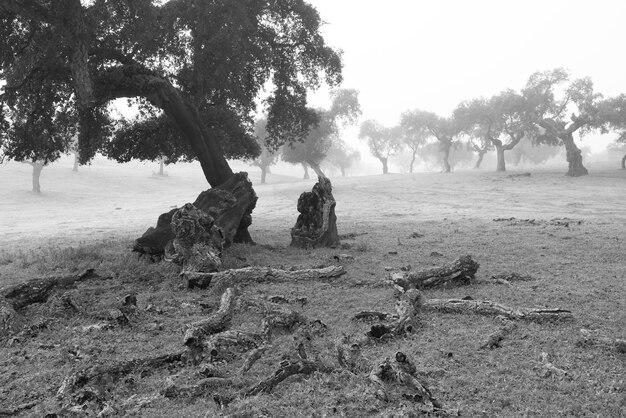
(613,110)
(383,142)
(344,109)
(479,121)
(342,156)
(267,157)
(414,134)
(432,154)
(445,130)
(37,128)
(553,97)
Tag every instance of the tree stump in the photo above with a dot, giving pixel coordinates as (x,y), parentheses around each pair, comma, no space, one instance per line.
(229,204)
(197,245)
(316,225)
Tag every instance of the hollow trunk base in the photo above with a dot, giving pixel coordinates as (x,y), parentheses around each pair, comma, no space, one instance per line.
(316,225)
(230,204)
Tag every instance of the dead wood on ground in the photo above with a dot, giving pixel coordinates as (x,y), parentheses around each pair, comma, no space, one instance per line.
(316,225)
(460,271)
(593,338)
(486,307)
(242,276)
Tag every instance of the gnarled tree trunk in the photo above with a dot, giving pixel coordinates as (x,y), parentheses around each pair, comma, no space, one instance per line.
(481,155)
(574,156)
(306,171)
(383,160)
(317,169)
(501,166)
(316,225)
(230,204)
(37,167)
(445,146)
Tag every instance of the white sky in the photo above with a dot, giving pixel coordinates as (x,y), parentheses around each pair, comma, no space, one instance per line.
(407,54)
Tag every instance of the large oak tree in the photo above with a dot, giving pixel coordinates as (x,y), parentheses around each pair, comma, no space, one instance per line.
(202,64)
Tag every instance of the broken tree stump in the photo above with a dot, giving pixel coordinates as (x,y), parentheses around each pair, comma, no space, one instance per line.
(316,225)
(408,307)
(487,307)
(229,204)
(234,277)
(197,243)
(460,271)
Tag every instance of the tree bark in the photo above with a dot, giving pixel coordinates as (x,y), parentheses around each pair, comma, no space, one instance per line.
(461,270)
(230,205)
(316,225)
(161,166)
(37,167)
(264,171)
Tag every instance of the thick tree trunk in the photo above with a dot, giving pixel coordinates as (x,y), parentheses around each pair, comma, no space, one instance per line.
(574,156)
(446,145)
(481,154)
(501,166)
(264,171)
(161,166)
(76,164)
(383,160)
(317,169)
(306,171)
(230,204)
(316,225)
(37,167)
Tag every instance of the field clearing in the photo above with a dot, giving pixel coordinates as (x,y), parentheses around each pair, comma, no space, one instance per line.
(89,219)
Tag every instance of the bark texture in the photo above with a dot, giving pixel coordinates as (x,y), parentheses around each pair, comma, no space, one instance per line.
(316,225)
(460,271)
(235,277)
(230,205)
(197,245)
(486,307)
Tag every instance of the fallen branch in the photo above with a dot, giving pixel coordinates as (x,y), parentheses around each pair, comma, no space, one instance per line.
(234,277)
(252,357)
(407,309)
(193,391)
(486,307)
(287,368)
(80,378)
(216,322)
(39,290)
(460,271)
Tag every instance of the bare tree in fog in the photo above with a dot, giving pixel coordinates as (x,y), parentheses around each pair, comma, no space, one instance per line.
(37,127)
(383,142)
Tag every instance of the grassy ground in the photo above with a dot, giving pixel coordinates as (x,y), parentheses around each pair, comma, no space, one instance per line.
(422,220)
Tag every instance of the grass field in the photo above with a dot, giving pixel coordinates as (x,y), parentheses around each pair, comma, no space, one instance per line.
(90,218)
